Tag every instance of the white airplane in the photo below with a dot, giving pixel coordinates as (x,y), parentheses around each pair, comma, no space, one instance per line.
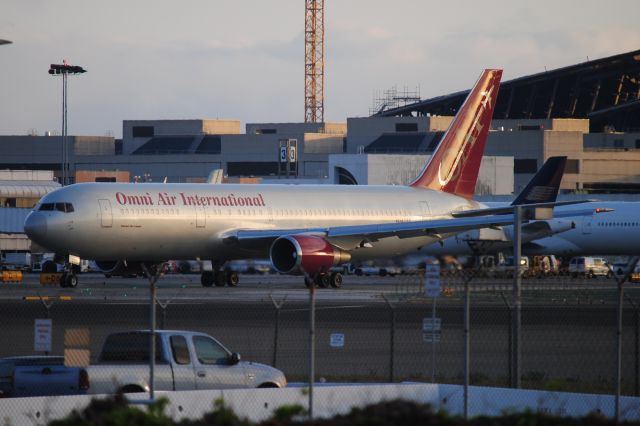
(303,229)
(614,233)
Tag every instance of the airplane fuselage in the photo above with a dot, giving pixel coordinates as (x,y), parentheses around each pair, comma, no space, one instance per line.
(157,222)
(614,233)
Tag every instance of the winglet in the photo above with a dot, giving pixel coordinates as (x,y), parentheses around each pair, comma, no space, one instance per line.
(455,163)
(544,186)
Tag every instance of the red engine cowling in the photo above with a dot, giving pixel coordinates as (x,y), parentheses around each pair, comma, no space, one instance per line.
(296,254)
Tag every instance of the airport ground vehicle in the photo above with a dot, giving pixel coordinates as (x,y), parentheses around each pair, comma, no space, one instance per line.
(23,376)
(185,360)
(15,261)
(589,267)
(507,267)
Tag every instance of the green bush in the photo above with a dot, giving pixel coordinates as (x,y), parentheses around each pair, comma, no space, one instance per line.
(116,412)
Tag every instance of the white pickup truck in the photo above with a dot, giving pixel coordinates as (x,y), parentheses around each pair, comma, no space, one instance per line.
(185,360)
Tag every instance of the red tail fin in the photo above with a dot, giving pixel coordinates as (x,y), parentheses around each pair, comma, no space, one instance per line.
(455,163)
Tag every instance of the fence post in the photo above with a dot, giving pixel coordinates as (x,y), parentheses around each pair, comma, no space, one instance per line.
(517,300)
(392,338)
(636,347)
(277,305)
(467,344)
(618,378)
(509,342)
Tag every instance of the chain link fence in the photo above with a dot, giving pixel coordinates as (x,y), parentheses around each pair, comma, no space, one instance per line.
(373,330)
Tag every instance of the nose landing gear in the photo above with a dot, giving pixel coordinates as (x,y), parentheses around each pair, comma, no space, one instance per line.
(69,277)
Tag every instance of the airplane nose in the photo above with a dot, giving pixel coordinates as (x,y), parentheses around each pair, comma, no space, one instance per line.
(35,226)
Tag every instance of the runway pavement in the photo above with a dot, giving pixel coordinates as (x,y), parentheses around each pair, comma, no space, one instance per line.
(568,326)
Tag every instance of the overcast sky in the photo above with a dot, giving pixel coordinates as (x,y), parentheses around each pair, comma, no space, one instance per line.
(244,60)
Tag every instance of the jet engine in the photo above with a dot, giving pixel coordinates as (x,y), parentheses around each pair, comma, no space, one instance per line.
(296,254)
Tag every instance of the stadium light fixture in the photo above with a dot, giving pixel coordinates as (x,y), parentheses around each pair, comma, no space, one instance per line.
(64,70)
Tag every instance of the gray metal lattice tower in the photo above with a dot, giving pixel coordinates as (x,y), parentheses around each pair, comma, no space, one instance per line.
(314,61)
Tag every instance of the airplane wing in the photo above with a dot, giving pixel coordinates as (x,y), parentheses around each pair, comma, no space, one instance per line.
(510,208)
(352,236)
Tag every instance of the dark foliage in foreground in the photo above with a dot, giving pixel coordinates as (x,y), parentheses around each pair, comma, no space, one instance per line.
(116,412)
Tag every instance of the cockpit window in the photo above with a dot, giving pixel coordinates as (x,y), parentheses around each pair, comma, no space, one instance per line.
(61,207)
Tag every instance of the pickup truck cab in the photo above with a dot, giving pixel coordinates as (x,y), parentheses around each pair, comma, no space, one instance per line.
(185,360)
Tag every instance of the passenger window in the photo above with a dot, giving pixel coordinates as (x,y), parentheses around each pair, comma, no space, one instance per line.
(209,351)
(180,350)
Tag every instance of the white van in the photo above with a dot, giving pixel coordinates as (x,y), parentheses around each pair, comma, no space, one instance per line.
(589,267)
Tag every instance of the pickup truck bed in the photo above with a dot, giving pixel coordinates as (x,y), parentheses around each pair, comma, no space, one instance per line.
(40,376)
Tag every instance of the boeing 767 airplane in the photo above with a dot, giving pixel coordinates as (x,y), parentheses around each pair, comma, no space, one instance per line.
(303,229)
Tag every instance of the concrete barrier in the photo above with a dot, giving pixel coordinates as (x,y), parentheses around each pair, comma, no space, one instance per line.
(331,399)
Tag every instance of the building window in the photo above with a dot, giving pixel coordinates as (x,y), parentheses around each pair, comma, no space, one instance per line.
(526,127)
(142,131)
(572,167)
(118,147)
(252,168)
(266,131)
(525,165)
(105,179)
(406,127)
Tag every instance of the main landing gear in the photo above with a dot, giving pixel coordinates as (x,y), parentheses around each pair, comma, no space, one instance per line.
(324,280)
(69,277)
(219,278)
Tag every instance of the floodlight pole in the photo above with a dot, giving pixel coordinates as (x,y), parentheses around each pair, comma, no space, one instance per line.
(64,70)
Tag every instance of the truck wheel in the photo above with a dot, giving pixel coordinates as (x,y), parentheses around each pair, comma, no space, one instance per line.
(591,274)
(130,389)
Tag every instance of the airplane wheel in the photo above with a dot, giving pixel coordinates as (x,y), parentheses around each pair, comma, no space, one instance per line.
(233,279)
(49,267)
(71,280)
(308,282)
(322,280)
(336,280)
(207,278)
(220,278)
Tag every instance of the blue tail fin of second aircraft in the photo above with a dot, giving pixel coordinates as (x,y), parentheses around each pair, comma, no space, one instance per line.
(544,186)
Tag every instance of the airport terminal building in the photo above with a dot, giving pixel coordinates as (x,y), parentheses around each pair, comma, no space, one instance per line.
(589,112)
